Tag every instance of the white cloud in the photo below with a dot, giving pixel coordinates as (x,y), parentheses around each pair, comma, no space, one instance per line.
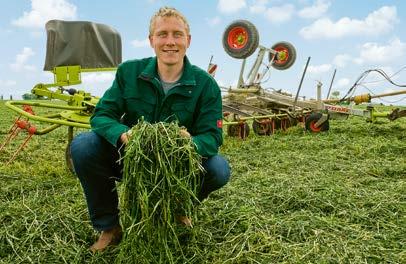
(316,10)
(374,53)
(140,43)
(378,22)
(274,14)
(358,61)
(258,7)
(230,6)
(44,10)
(7,83)
(98,77)
(341,60)
(213,21)
(20,63)
(280,14)
(319,68)
(343,82)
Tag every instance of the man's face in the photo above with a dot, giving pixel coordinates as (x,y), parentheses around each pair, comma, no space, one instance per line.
(169,40)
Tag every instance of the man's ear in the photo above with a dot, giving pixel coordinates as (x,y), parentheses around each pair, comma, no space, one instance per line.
(151,41)
(189,39)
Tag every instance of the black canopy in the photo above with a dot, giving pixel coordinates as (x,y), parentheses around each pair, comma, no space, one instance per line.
(90,45)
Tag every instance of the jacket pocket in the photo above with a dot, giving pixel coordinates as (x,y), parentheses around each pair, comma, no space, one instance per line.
(183,113)
(137,107)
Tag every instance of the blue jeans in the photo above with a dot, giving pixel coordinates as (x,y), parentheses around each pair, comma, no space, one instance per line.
(95,163)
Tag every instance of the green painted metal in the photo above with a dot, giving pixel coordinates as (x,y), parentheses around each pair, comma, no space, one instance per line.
(375,114)
(71,75)
(78,107)
(47,129)
(55,120)
(67,75)
(75,117)
(246,118)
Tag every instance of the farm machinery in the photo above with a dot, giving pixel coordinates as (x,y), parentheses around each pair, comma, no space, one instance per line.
(248,101)
(78,47)
(272,110)
(73,47)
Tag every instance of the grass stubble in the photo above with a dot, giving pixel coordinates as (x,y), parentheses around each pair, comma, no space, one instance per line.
(294,197)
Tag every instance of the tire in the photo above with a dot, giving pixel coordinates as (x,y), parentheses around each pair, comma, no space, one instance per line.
(262,127)
(312,119)
(239,130)
(68,159)
(285,57)
(240,39)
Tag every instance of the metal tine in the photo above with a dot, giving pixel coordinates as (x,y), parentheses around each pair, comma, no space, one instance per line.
(12,133)
(31,131)
(19,149)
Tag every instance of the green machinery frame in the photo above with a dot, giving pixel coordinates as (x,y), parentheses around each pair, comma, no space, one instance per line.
(79,104)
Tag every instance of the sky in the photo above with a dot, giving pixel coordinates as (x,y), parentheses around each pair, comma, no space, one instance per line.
(346,35)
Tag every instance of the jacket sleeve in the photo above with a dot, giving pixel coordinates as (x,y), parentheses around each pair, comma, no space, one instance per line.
(208,134)
(105,120)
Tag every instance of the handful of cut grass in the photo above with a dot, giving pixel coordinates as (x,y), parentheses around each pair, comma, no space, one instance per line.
(161,178)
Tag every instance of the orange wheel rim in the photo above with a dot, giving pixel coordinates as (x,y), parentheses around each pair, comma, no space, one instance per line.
(313,127)
(283,55)
(237,38)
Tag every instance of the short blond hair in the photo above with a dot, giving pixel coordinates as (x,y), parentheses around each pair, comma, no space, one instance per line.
(167,12)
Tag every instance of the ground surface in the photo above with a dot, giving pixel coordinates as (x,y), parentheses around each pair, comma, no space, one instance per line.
(294,197)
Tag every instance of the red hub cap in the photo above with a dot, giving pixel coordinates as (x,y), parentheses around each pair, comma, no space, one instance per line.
(283,55)
(313,127)
(237,38)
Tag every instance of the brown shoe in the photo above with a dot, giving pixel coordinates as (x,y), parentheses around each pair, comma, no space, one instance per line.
(107,238)
(185,221)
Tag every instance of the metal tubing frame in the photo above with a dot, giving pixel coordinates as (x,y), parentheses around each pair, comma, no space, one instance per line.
(254,70)
(331,84)
(243,119)
(371,96)
(300,85)
(268,66)
(11,105)
(240,83)
(252,75)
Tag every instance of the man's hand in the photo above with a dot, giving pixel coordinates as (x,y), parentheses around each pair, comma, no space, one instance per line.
(183,133)
(124,138)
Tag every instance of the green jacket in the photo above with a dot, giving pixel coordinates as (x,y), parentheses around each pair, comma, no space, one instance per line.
(136,91)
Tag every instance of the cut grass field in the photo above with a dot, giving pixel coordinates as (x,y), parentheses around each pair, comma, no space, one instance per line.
(294,197)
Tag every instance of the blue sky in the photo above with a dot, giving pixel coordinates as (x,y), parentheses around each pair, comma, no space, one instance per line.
(350,36)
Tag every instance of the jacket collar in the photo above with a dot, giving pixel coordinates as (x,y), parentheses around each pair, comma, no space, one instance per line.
(150,72)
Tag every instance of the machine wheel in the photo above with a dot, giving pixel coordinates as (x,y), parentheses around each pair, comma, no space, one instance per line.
(240,39)
(68,159)
(312,120)
(239,130)
(277,124)
(285,57)
(262,127)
